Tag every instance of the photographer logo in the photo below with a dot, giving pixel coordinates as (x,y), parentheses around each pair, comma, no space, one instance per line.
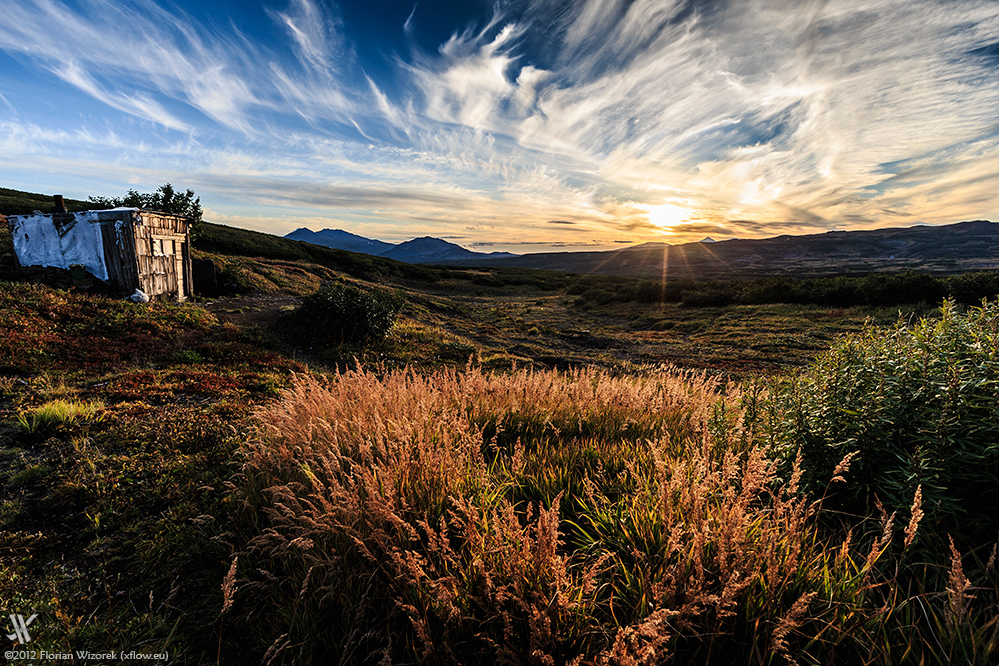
(21,625)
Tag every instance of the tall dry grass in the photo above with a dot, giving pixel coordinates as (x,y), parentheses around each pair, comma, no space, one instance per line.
(549,518)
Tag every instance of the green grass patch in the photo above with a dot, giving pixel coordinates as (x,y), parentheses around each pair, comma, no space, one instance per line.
(57,413)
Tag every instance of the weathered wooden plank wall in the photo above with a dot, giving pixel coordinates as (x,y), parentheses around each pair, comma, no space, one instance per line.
(141,249)
(118,239)
(161,247)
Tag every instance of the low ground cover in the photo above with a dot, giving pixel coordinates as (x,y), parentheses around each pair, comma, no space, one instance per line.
(528,490)
(118,424)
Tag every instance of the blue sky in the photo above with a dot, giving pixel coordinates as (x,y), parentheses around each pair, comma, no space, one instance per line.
(516,125)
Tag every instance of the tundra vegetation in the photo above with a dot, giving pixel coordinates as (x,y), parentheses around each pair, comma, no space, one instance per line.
(508,471)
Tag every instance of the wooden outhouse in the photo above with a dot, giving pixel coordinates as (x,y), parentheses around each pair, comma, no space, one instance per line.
(129,247)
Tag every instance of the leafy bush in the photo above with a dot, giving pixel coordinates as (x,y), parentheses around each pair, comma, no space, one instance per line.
(707,296)
(188,356)
(876,289)
(342,313)
(919,404)
(455,349)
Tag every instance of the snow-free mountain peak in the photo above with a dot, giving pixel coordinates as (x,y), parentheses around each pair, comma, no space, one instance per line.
(425,249)
(340,240)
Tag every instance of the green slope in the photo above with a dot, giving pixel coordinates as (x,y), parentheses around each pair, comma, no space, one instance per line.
(16,202)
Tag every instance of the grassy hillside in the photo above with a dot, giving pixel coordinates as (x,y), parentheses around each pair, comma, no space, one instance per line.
(513,475)
(16,202)
(219,239)
(948,249)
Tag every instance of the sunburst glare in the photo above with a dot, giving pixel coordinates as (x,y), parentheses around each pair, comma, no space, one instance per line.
(667,216)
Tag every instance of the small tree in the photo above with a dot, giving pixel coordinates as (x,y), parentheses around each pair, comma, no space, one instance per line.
(164,199)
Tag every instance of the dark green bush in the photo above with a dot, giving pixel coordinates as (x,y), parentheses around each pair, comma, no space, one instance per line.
(456,350)
(488,281)
(342,313)
(876,289)
(707,296)
(920,403)
(597,296)
(648,291)
(973,287)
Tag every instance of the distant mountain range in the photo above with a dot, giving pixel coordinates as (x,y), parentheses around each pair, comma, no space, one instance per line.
(340,240)
(953,248)
(424,250)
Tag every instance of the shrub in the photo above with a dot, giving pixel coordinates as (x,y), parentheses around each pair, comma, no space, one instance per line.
(342,313)
(29,476)
(704,297)
(970,288)
(188,356)
(649,291)
(918,402)
(455,349)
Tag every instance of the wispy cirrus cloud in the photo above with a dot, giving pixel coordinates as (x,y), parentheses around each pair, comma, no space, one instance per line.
(799,122)
(754,117)
(154,62)
(125,54)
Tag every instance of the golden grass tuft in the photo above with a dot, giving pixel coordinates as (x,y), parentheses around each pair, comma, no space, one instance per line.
(545,518)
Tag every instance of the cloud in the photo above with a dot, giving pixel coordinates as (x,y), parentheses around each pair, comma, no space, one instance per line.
(142,59)
(469,81)
(315,34)
(550,244)
(107,44)
(783,112)
(756,117)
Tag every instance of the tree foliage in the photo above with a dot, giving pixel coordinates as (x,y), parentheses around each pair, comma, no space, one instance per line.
(165,199)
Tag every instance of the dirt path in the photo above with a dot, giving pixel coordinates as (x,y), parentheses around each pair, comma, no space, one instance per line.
(261,310)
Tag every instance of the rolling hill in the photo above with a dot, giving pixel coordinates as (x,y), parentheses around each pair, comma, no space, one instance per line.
(953,248)
(16,202)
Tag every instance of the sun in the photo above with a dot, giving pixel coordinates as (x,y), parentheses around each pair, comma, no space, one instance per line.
(667,216)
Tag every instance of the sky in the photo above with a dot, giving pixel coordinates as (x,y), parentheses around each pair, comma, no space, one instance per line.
(517,125)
